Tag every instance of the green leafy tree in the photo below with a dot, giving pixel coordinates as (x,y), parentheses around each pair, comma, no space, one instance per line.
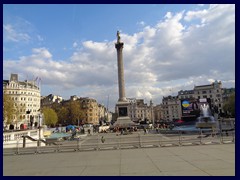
(56,107)
(62,114)
(18,111)
(229,105)
(50,116)
(74,111)
(8,109)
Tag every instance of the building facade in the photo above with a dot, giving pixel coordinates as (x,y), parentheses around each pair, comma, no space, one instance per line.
(138,110)
(171,108)
(158,113)
(227,92)
(48,101)
(26,97)
(90,110)
(186,94)
(213,91)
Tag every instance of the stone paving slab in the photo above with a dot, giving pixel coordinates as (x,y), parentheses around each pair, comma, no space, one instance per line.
(201,160)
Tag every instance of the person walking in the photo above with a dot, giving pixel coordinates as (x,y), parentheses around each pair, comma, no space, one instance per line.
(102,139)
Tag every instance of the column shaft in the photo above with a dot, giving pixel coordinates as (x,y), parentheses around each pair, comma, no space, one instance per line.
(121,83)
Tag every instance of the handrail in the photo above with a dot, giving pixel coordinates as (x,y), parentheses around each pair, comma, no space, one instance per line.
(126,141)
(32,139)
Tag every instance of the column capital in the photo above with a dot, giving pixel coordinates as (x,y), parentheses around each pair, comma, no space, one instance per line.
(119,45)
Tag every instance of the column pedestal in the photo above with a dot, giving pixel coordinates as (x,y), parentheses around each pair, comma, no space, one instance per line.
(123,120)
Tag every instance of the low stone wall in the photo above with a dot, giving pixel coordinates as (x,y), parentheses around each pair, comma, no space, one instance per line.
(15,139)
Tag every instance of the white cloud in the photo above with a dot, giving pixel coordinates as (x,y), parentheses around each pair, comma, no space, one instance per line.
(168,15)
(169,55)
(142,23)
(39,38)
(14,35)
(75,44)
(42,52)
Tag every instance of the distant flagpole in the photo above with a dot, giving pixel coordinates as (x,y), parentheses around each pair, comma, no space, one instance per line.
(35,80)
(39,83)
(171,91)
(27,81)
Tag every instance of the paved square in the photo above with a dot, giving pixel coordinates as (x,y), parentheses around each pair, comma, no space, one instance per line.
(201,160)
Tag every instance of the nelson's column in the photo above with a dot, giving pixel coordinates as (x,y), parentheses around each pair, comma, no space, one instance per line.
(123,119)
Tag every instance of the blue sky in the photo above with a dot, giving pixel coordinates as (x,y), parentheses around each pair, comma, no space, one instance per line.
(167,47)
(58,26)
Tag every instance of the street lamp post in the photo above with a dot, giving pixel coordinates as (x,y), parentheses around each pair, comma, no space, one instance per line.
(215,110)
(39,127)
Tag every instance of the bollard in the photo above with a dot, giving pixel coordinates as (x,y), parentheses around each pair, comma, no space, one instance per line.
(159,140)
(24,141)
(140,145)
(98,140)
(233,137)
(180,138)
(220,129)
(200,136)
(78,144)
(118,146)
(17,146)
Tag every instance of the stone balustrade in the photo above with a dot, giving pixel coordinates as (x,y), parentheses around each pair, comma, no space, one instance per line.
(11,139)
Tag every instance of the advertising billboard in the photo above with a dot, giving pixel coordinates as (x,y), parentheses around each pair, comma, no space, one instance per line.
(191,107)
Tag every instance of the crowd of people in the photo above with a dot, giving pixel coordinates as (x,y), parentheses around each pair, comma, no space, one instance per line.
(74,130)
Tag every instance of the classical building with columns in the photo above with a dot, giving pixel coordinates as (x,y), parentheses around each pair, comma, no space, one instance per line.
(139,110)
(26,97)
(213,91)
